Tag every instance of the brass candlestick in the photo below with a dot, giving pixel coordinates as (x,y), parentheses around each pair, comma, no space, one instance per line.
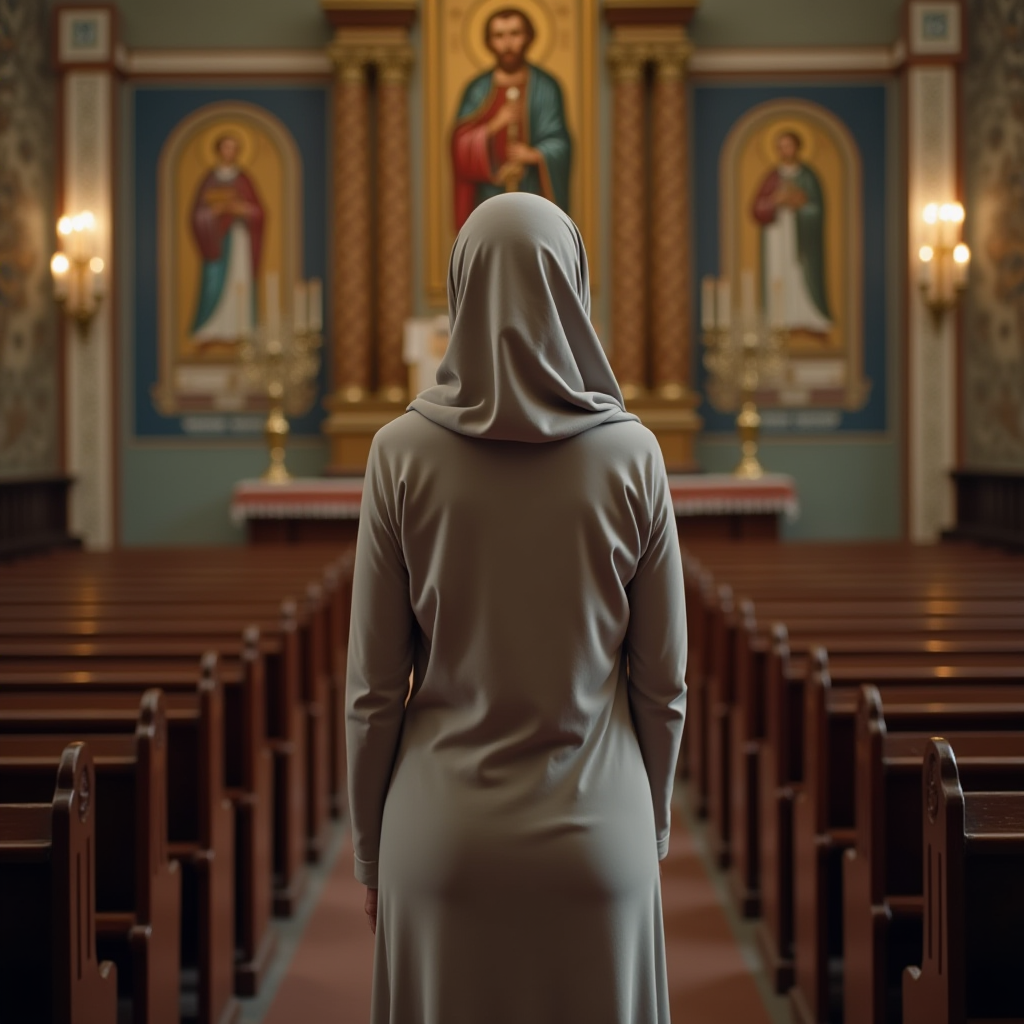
(739,361)
(284,365)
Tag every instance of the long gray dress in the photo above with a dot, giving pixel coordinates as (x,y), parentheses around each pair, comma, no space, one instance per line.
(517,552)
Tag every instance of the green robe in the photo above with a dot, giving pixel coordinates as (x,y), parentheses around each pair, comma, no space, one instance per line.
(546,131)
(810,235)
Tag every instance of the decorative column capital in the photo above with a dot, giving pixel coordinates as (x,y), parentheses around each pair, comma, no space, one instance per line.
(350,60)
(395,63)
(671,59)
(626,61)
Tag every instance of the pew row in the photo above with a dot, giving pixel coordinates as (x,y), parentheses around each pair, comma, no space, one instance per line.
(138,886)
(49,971)
(973,866)
(882,881)
(200,819)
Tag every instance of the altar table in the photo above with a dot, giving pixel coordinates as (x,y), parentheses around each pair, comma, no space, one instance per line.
(326,510)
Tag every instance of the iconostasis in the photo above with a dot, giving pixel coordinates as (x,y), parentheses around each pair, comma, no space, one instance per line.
(325,185)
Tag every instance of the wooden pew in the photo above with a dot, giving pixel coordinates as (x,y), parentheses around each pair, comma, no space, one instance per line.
(138,886)
(298,684)
(49,973)
(254,722)
(200,828)
(741,710)
(882,881)
(823,813)
(247,773)
(229,578)
(792,586)
(781,768)
(973,866)
(815,583)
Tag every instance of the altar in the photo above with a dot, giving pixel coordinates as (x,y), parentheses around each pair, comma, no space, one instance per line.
(326,510)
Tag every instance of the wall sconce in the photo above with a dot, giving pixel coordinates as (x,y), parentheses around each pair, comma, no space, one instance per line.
(78,281)
(944,259)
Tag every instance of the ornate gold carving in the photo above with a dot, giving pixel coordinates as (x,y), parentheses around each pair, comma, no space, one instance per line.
(628,231)
(626,62)
(394,64)
(350,330)
(670,61)
(394,220)
(670,222)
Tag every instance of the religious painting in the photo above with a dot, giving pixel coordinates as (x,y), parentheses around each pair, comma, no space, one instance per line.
(230,215)
(790,185)
(229,194)
(791,219)
(510,107)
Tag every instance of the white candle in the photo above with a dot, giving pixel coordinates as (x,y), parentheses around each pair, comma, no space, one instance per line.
(316,304)
(99,284)
(707,303)
(59,268)
(74,300)
(926,257)
(300,308)
(747,305)
(724,311)
(776,305)
(272,292)
(930,236)
(961,264)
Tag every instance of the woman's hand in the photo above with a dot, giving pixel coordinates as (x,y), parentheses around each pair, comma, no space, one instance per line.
(370,906)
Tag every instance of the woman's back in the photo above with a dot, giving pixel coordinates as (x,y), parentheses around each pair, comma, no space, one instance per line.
(512,806)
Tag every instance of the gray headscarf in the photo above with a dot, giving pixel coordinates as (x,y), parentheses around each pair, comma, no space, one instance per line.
(523,362)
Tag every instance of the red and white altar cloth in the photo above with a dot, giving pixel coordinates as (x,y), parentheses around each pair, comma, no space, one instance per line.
(697,494)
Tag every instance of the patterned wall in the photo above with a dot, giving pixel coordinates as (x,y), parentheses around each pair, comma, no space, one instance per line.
(28,352)
(994,336)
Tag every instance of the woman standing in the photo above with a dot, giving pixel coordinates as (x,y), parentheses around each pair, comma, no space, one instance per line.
(518,554)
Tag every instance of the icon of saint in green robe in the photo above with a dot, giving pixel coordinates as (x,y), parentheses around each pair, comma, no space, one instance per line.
(790,209)
(510,133)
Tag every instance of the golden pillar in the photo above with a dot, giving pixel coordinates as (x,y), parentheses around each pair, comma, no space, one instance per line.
(629,221)
(670,225)
(351,255)
(651,308)
(394,220)
(371,255)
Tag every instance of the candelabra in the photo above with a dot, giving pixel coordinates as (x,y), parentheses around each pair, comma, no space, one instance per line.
(284,364)
(944,259)
(78,284)
(739,359)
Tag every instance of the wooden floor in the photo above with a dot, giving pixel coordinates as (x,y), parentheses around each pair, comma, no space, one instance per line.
(326,956)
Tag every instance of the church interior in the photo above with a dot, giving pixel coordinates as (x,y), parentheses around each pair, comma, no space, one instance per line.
(225,233)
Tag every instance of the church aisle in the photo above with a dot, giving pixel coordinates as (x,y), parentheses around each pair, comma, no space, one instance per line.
(328,978)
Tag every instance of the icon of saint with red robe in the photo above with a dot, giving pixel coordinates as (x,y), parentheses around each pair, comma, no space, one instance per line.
(227,220)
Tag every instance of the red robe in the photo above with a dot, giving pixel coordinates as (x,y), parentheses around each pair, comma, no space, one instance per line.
(210,228)
(764,207)
(476,157)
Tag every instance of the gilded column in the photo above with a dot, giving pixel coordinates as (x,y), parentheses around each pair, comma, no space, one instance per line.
(670,224)
(351,287)
(394,219)
(629,229)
